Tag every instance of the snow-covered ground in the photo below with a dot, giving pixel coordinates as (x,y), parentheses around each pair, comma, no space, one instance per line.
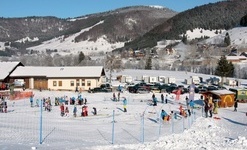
(20,127)
(199,32)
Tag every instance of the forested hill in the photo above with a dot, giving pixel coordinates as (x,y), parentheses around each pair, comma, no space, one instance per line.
(220,15)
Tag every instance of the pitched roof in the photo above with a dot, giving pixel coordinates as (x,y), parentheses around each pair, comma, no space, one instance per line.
(59,72)
(6,68)
(222,92)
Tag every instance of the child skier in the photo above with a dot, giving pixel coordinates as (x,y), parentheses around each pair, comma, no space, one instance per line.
(31,100)
(166,98)
(75,111)
(162,98)
(62,110)
(67,111)
(125,104)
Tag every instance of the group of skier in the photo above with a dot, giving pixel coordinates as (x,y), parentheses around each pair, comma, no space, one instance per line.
(117,99)
(46,102)
(64,103)
(210,107)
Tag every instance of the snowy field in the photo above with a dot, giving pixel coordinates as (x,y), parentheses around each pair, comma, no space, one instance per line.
(20,127)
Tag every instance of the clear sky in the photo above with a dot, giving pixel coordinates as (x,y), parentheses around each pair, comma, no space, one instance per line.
(76,8)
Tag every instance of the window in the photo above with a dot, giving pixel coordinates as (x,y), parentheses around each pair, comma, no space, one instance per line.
(72,83)
(60,83)
(54,83)
(88,83)
(82,82)
(77,82)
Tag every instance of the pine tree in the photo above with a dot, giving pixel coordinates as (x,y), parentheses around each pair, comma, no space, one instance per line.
(231,69)
(184,39)
(224,68)
(81,57)
(148,63)
(243,21)
(227,39)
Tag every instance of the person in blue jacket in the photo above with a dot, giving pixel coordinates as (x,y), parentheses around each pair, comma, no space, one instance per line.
(31,100)
(155,101)
(192,104)
(163,114)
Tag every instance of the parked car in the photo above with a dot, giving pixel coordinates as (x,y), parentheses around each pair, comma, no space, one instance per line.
(133,89)
(99,89)
(219,87)
(106,86)
(202,88)
(166,88)
(155,88)
(211,88)
(182,88)
(142,91)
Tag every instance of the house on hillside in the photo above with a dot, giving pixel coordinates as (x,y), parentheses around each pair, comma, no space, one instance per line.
(60,78)
(236,59)
(6,68)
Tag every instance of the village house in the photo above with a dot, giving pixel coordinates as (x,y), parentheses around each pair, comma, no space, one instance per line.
(59,78)
(236,59)
(6,68)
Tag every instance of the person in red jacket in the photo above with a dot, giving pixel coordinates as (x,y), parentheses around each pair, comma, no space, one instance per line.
(62,110)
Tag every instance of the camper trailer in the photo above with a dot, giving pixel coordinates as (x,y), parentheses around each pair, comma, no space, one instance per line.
(161,78)
(145,79)
(153,79)
(231,82)
(126,79)
(188,81)
(170,80)
(195,79)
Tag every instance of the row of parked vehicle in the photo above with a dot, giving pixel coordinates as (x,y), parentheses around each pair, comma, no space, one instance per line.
(156,88)
(143,87)
(169,88)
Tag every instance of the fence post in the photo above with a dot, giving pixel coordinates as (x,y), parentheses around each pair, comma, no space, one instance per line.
(160,119)
(202,111)
(40,125)
(188,122)
(192,117)
(172,123)
(142,123)
(113,120)
(183,123)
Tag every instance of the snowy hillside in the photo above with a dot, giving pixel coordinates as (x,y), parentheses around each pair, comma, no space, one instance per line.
(198,33)
(67,45)
(237,35)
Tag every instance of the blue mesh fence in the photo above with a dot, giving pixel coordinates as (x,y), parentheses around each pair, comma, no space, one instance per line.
(21,124)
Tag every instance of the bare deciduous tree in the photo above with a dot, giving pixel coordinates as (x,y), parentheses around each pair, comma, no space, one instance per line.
(113,63)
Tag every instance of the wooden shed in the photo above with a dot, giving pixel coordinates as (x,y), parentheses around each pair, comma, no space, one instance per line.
(225,97)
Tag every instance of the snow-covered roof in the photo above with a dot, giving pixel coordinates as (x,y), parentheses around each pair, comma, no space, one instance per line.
(6,68)
(235,57)
(222,92)
(54,72)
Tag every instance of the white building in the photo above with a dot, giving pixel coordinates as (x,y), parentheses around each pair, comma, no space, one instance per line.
(60,78)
